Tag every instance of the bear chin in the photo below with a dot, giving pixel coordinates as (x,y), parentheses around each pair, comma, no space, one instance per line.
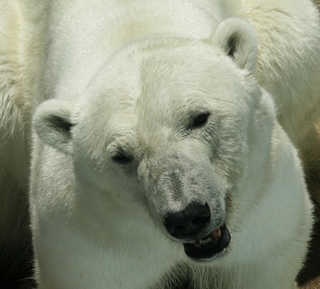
(210,247)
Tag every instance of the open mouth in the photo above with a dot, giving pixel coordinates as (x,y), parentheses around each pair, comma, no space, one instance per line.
(209,247)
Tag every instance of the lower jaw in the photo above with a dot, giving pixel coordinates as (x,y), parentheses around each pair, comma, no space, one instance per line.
(206,259)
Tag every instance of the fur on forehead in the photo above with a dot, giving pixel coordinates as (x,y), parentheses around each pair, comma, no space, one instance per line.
(202,79)
(153,79)
(160,61)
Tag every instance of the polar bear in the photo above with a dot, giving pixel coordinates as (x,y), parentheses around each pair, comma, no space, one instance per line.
(158,161)
(57,51)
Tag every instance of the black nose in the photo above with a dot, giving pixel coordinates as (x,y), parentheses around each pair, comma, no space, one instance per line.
(188,222)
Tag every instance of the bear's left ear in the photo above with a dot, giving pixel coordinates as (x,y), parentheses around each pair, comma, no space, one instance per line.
(52,123)
(238,40)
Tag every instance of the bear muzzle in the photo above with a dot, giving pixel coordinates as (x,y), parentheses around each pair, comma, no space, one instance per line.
(192,225)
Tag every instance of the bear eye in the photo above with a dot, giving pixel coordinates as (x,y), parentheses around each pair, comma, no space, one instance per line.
(200,120)
(122,158)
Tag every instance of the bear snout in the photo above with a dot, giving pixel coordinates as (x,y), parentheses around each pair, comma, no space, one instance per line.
(188,223)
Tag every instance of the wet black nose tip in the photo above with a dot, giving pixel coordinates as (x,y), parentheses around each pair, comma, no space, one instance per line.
(188,222)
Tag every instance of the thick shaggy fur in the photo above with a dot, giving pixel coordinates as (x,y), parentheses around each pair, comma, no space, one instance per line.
(53,49)
(19,57)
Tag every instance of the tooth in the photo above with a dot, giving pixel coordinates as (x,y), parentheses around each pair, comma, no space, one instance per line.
(216,234)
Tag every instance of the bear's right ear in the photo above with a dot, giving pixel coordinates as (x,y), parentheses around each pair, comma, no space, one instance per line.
(238,40)
(52,123)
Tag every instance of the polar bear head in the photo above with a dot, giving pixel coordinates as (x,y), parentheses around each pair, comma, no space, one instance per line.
(168,123)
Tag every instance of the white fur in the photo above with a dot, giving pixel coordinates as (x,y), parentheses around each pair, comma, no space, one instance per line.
(130,75)
(109,216)
(17,85)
